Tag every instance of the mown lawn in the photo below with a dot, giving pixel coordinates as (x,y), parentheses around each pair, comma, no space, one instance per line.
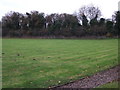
(40,63)
(114,84)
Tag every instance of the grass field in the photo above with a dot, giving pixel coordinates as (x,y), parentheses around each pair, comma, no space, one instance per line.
(39,63)
(113,84)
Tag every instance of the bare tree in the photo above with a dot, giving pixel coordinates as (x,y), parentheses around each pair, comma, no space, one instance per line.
(89,11)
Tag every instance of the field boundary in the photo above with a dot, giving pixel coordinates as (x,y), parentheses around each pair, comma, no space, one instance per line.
(103,74)
(62,37)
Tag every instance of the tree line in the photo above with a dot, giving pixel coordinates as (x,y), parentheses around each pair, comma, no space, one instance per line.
(85,22)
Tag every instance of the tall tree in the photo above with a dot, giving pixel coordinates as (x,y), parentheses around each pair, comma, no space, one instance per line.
(11,20)
(36,20)
(11,23)
(117,24)
(94,21)
(101,21)
(109,26)
(84,21)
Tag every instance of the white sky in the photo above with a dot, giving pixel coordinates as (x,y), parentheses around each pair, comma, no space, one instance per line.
(107,7)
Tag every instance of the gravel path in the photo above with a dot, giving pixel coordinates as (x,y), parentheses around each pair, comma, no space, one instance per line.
(95,80)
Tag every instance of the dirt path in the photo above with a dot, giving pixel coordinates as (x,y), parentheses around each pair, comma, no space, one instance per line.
(95,80)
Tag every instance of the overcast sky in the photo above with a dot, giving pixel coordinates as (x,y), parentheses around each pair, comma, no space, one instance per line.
(107,7)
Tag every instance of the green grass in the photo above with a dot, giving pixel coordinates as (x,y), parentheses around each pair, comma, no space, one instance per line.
(110,85)
(47,62)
